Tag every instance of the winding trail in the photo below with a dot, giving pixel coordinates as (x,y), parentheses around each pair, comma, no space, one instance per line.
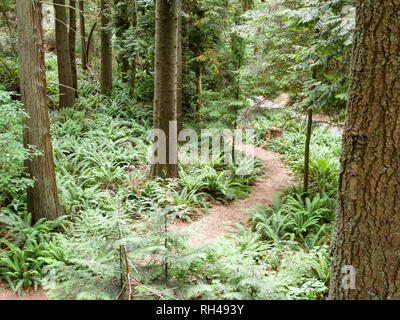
(218,222)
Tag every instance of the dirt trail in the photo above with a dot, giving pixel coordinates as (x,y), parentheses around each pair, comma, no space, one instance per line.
(7,294)
(216,223)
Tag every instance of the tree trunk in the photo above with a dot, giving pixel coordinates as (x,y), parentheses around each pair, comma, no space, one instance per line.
(106,49)
(43,199)
(165,85)
(122,24)
(83,35)
(89,42)
(133,62)
(367,232)
(67,94)
(179,74)
(72,40)
(307,152)
(199,93)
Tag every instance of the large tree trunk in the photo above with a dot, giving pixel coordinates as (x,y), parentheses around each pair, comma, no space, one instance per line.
(83,35)
(165,85)
(72,40)
(367,232)
(43,199)
(106,49)
(67,93)
(179,74)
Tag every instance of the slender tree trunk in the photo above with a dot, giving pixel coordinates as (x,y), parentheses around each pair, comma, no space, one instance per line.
(199,93)
(72,40)
(89,42)
(132,81)
(43,199)
(106,49)
(165,85)
(67,94)
(122,24)
(307,152)
(83,34)
(179,74)
(133,61)
(366,239)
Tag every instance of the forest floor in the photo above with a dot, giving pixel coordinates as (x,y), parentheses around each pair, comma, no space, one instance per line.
(7,294)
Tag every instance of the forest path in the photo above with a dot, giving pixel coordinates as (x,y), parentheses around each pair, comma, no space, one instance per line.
(220,219)
(7,294)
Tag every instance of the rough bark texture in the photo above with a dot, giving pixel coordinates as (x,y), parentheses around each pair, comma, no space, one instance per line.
(43,200)
(179,74)
(72,40)
(67,94)
(165,82)
(106,49)
(82,32)
(367,233)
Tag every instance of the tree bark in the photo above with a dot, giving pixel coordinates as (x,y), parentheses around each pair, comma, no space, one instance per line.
(307,153)
(199,93)
(67,94)
(83,35)
(367,232)
(179,74)
(72,40)
(43,199)
(165,84)
(106,49)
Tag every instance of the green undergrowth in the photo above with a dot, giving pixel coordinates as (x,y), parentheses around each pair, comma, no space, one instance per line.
(117,219)
(102,159)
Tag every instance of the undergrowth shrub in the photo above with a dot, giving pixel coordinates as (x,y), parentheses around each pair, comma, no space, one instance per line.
(13,179)
(24,252)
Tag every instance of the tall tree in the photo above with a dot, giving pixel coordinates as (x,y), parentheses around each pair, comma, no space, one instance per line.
(122,24)
(179,72)
(82,31)
(67,93)
(71,42)
(135,57)
(106,48)
(43,199)
(165,85)
(367,232)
